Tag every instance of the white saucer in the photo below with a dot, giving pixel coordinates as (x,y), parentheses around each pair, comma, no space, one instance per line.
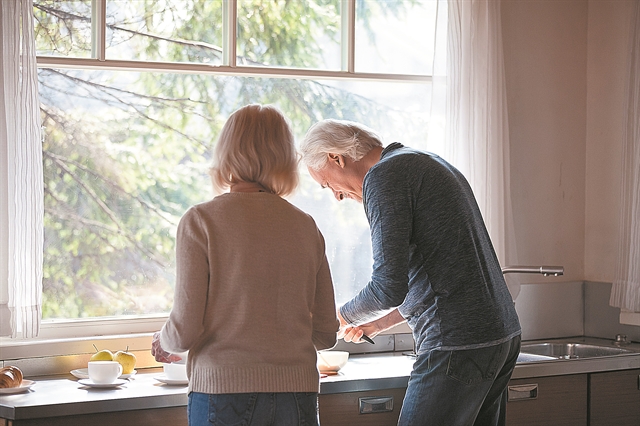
(24,386)
(168,381)
(90,383)
(83,373)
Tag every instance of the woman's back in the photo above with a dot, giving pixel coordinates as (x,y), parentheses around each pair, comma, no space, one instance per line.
(269,296)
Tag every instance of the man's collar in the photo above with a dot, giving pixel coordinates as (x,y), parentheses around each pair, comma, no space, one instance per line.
(391,147)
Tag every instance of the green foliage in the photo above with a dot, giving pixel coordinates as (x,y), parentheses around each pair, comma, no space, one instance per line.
(63,28)
(286,32)
(125,154)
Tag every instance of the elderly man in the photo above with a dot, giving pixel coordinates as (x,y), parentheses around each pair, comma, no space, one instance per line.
(434,266)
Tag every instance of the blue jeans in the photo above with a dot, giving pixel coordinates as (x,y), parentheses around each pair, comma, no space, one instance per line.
(255,409)
(467,387)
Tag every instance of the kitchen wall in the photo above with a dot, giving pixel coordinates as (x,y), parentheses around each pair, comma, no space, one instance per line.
(545,45)
(565,65)
(565,309)
(608,41)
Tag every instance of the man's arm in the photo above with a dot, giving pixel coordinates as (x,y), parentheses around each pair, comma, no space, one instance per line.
(388,200)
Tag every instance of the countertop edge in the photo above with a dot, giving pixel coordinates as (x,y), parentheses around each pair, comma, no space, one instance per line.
(364,385)
(92,407)
(577,366)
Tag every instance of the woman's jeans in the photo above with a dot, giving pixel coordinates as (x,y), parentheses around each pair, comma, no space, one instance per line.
(255,409)
(467,387)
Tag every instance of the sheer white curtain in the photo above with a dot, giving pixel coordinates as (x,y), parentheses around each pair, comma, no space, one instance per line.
(21,239)
(477,132)
(625,292)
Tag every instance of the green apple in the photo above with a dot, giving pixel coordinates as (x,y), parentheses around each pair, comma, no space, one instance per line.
(127,360)
(103,355)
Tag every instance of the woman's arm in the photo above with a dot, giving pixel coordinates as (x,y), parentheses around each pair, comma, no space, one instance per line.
(185,324)
(325,323)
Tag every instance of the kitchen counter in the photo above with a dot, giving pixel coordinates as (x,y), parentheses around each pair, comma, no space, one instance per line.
(57,396)
(534,367)
(63,395)
(391,370)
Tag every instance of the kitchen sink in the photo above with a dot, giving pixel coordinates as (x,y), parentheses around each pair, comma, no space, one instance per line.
(572,350)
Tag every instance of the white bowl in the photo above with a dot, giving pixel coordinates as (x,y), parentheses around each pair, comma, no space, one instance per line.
(332,361)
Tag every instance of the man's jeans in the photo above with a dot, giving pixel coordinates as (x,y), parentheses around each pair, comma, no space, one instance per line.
(467,387)
(255,409)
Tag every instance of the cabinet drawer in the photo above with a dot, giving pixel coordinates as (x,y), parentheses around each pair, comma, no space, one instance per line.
(614,398)
(544,401)
(380,407)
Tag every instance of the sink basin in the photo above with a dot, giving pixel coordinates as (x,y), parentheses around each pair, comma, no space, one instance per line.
(572,350)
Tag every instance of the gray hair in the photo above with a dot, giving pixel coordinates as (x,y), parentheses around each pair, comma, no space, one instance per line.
(346,138)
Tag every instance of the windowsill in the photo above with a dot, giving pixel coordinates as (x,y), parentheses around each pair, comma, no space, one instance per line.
(39,348)
(50,355)
(78,337)
(75,337)
(56,329)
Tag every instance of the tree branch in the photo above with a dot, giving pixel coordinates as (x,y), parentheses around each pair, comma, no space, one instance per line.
(112,184)
(107,91)
(121,230)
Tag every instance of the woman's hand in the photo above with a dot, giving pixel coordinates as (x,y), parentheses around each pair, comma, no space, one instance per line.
(160,354)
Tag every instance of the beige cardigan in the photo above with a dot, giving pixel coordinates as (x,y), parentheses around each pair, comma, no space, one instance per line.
(254,297)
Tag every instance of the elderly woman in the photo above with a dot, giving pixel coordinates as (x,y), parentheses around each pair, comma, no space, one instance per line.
(254,298)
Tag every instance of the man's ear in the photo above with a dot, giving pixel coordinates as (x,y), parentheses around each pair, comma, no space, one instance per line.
(336,159)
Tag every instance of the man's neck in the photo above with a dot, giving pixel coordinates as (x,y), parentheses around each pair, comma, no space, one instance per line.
(370,159)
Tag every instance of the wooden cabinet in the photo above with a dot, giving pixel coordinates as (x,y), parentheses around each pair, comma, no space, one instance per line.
(370,408)
(614,398)
(543,401)
(175,416)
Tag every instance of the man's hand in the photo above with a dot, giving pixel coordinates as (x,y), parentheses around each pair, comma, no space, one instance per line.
(160,354)
(352,333)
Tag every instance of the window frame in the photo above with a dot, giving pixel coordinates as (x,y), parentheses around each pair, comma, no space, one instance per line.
(109,328)
(98,60)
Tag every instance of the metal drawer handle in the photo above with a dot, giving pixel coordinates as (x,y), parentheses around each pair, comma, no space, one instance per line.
(521,392)
(371,405)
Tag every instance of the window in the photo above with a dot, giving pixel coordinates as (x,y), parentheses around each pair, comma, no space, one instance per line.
(134,93)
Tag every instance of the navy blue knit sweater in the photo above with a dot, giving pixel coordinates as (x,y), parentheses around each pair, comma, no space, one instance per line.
(433,257)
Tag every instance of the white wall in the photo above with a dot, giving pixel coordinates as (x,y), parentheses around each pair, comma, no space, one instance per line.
(565,64)
(606,74)
(545,45)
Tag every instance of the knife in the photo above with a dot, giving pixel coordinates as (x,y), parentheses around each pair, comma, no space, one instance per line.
(368,339)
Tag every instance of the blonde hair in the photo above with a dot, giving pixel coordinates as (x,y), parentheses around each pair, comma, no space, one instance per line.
(342,137)
(256,144)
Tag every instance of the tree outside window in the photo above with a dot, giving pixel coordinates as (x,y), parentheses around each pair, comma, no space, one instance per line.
(126,152)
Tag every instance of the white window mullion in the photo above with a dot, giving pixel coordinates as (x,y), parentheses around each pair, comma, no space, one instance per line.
(348,33)
(229,32)
(98,29)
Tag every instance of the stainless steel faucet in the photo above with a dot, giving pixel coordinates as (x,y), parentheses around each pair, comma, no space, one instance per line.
(544,270)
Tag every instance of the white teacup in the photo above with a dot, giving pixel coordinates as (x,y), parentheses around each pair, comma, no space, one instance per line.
(175,371)
(104,372)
